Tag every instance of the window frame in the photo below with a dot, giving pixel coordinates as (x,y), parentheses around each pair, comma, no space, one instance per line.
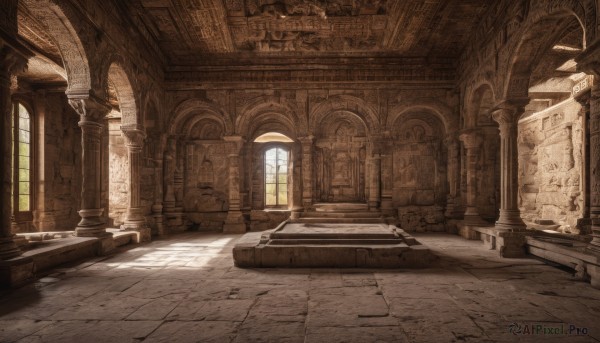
(277,148)
(18,215)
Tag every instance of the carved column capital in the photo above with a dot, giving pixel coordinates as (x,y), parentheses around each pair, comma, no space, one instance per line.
(507,114)
(89,107)
(134,136)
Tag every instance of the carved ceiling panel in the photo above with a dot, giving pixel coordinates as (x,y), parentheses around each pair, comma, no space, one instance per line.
(192,30)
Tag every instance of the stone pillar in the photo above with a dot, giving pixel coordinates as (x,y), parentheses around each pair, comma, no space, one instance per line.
(307,171)
(10,61)
(91,112)
(387,181)
(157,206)
(170,161)
(584,223)
(374,183)
(472,142)
(507,117)
(453,177)
(588,63)
(43,220)
(296,172)
(134,219)
(234,223)
(594,167)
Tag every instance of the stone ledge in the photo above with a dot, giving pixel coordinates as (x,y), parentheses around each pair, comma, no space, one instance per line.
(569,253)
(508,243)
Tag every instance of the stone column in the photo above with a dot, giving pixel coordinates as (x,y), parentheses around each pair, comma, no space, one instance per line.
(472,142)
(10,61)
(588,62)
(507,117)
(134,219)
(387,170)
(170,161)
(234,223)
(453,177)
(157,206)
(91,111)
(307,171)
(296,172)
(594,167)
(374,183)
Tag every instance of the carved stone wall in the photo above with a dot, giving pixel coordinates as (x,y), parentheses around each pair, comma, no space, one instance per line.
(62,165)
(117,173)
(419,172)
(206,182)
(550,165)
(342,130)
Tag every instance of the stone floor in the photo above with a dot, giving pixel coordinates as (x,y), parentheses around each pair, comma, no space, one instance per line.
(185,289)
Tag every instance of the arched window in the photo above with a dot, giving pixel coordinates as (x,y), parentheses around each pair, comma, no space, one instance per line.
(22,163)
(276,177)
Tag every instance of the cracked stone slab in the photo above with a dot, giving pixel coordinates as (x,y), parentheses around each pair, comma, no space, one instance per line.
(94,331)
(196,331)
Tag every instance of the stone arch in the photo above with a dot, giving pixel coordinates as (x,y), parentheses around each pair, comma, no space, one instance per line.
(189,112)
(59,23)
(345,103)
(423,125)
(205,128)
(351,123)
(128,107)
(261,109)
(531,46)
(271,122)
(441,111)
(480,101)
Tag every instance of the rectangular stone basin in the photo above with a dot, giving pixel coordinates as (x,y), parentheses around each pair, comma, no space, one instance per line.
(314,245)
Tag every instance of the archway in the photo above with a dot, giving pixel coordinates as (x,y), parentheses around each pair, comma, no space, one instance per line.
(341,150)
(550,129)
(125,143)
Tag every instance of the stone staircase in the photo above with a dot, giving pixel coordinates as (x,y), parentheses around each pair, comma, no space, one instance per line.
(341,213)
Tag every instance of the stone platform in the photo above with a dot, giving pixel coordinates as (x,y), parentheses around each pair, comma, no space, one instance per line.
(345,245)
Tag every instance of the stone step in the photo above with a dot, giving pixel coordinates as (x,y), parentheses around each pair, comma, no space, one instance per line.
(341,207)
(357,214)
(339,220)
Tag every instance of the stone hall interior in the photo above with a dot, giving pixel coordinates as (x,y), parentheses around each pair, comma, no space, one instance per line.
(300,170)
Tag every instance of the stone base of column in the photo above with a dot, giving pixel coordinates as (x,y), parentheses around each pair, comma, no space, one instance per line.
(510,220)
(16,272)
(511,244)
(373,205)
(91,224)
(594,246)
(234,223)
(144,232)
(8,248)
(453,209)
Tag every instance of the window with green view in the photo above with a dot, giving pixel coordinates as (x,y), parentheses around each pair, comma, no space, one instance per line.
(22,160)
(276,175)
